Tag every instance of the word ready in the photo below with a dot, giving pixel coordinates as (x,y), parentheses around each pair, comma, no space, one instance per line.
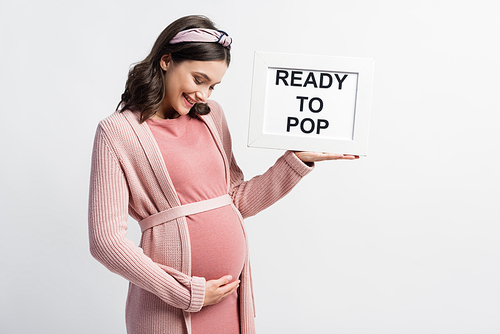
(296,79)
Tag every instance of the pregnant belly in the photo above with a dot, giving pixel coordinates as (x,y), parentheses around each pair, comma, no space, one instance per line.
(217,243)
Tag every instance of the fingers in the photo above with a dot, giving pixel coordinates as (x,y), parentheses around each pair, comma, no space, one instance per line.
(321,156)
(228,289)
(223,280)
(217,290)
(341,156)
(334,156)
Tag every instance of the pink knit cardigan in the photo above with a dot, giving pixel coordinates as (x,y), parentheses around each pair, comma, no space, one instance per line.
(129,177)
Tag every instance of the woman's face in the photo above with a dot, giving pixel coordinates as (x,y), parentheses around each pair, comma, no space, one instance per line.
(187,83)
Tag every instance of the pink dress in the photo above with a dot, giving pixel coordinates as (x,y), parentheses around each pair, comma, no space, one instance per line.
(196,168)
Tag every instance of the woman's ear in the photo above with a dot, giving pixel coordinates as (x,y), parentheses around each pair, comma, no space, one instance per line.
(165,61)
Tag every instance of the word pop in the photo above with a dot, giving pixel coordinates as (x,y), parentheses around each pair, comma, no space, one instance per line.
(307,125)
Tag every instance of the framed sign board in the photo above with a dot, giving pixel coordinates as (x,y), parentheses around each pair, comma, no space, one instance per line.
(310,103)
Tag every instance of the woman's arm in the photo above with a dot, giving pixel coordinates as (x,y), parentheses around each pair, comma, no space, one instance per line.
(108,213)
(255,195)
(260,192)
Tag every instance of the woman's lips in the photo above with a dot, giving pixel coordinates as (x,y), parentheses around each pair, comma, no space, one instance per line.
(189,101)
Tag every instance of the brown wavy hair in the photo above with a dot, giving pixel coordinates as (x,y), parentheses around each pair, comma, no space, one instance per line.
(144,90)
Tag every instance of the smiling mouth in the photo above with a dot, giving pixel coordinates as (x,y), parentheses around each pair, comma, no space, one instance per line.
(191,101)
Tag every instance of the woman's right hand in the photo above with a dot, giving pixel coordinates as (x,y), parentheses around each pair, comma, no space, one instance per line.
(217,290)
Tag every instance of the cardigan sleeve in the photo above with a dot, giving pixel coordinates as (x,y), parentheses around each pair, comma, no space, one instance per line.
(108,213)
(260,192)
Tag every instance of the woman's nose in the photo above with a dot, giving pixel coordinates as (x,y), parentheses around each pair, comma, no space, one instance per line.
(202,95)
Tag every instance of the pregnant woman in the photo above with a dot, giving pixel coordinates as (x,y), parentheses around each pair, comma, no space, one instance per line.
(164,157)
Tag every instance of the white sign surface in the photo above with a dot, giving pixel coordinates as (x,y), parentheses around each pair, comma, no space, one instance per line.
(310,103)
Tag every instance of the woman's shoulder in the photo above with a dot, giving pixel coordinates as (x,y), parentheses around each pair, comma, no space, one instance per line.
(119,120)
(121,132)
(215,108)
(216,112)
(216,115)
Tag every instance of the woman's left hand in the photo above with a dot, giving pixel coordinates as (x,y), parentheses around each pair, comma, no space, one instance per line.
(319,156)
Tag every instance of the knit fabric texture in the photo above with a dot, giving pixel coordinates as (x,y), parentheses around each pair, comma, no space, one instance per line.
(129,177)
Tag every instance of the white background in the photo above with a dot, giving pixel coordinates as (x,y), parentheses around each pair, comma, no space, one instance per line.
(406,240)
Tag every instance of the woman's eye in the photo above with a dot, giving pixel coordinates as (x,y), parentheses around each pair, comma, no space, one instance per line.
(212,87)
(198,82)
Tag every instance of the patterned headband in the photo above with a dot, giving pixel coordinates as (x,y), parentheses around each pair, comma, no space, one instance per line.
(204,36)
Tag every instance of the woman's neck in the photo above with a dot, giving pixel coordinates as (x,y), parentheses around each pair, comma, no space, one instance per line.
(157,115)
(166,112)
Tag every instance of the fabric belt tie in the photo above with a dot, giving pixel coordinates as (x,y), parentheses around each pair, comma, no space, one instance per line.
(184,210)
